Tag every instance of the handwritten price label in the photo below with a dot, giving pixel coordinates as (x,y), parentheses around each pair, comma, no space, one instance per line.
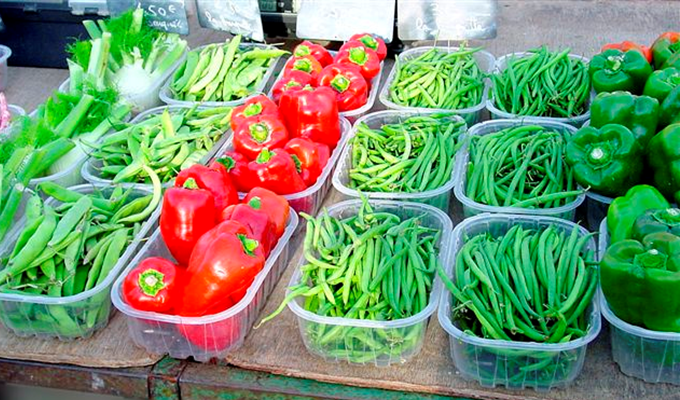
(239,17)
(340,19)
(447,19)
(164,15)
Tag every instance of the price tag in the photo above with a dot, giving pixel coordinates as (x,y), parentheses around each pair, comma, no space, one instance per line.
(164,15)
(447,19)
(340,19)
(239,17)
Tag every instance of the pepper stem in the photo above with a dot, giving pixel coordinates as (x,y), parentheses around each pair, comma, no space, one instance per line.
(255,203)
(369,41)
(252,109)
(151,282)
(358,55)
(303,64)
(652,259)
(249,245)
(340,83)
(302,50)
(298,163)
(190,184)
(615,63)
(599,156)
(259,132)
(264,156)
(228,162)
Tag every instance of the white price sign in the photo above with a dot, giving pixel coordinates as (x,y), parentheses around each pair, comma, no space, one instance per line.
(447,19)
(340,19)
(239,17)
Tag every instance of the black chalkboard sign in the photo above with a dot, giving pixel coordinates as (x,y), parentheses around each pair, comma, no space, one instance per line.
(239,17)
(164,15)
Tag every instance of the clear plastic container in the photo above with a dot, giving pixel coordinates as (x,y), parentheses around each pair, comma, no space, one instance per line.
(439,197)
(399,339)
(213,336)
(14,111)
(496,113)
(514,365)
(89,311)
(596,209)
(471,115)
(310,199)
(167,97)
(641,353)
(90,169)
(471,207)
(351,115)
(5,53)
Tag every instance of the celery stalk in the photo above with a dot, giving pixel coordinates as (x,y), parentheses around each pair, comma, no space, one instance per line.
(70,123)
(92,29)
(76,73)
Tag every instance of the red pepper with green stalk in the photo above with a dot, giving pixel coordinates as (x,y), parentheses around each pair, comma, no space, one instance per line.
(236,165)
(253,107)
(214,179)
(370,41)
(294,79)
(355,53)
(311,156)
(277,171)
(223,265)
(351,89)
(311,113)
(188,212)
(153,285)
(274,205)
(307,64)
(627,46)
(251,215)
(307,48)
(256,134)
(664,47)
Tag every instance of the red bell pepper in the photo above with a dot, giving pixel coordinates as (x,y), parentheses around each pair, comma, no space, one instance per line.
(225,261)
(154,285)
(276,170)
(274,205)
(317,51)
(214,179)
(293,79)
(263,132)
(311,113)
(372,42)
(306,64)
(356,53)
(188,212)
(628,45)
(350,87)
(251,215)
(312,157)
(214,337)
(236,165)
(253,107)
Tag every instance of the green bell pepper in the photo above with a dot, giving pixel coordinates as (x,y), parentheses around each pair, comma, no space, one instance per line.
(663,156)
(641,281)
(669,111)
(607,159)
(661,82)
(664,47)
(624,210)
(637,113)
(652,221)
(614,70)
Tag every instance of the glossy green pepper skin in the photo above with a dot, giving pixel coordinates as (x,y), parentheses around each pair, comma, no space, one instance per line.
(641,281)
(614,70)
(669,112)
(664,47)
(624,210)
(663,156)
(608,160)
(661,82)
(652,221)
(640,114)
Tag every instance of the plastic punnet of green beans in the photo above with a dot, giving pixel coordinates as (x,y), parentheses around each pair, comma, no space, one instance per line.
(520,166)
(373,266)
(542,83)
(531,285)
(413,156)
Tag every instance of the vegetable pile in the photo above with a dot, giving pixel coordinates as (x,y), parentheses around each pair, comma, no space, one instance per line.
(69,248)
(526,285)
(415,155)
(542,84)
(222,72)
(374,265)
(520,166)
(5,116)
(350,75)
(167,142)
(441,79)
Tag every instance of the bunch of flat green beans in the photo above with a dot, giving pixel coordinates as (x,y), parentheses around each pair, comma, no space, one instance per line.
(222,72)
(526,285)
(68,249)
(166,143)
(375,266)
(521,166)
(438,78)
(543,84)
(412,156)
